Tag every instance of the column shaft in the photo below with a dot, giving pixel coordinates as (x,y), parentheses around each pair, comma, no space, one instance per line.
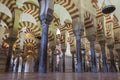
(52,62)
(118,51)
(78,53)
(93,59)
(63,61)
(112,61)
(102,45)
(73,63)
(43,53)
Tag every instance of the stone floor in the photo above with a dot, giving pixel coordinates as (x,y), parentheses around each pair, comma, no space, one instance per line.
(60,76)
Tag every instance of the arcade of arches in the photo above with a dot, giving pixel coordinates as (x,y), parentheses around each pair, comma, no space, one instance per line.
(72,36)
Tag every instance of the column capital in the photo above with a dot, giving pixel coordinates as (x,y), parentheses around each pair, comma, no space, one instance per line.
(46,11)
(46,19)
(91,38)
(102,42)
(110,46)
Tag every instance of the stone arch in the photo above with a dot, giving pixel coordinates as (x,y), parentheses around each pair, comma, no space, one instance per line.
(57,23)
(50,36)
(31,41)
(70,6)
(31,9)
(29,44)
(4,34)
(7,20)
(31,26)
(11,4)
(69,27)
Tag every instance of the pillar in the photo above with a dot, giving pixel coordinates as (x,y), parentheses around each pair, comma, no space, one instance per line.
(52,59)
(78,51)
(102,45)
(73,62)
(118,51)
(46,16)
(92,49)
(112,61)
(13,37)
(63,50)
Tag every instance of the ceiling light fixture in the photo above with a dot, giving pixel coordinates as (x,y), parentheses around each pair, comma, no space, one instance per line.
(108,9)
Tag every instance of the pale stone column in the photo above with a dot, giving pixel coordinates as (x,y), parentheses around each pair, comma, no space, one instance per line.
(46,16)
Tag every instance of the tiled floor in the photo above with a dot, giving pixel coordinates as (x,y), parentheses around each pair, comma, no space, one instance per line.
(60,76)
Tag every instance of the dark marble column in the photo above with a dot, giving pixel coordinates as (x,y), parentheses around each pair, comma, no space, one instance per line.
(102,45)
(63,50)
(112,61)
(46,16)
(43,53)
(93,59)
(52,61)
(73,62)
(78,51)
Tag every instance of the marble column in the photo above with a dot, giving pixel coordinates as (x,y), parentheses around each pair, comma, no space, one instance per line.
(78,51)
(46,16)
(112,61)
(73,62)
(63,50)
(92,49)
(44,42)
(118,51)
(52,60)
(102,45)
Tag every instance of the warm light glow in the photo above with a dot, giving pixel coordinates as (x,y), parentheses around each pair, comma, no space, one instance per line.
(28,35)
(58,31)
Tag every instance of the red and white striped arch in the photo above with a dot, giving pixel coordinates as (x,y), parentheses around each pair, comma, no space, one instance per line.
(70,6)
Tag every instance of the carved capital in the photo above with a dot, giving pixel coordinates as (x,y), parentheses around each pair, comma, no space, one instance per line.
(47,18)
(46,13)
